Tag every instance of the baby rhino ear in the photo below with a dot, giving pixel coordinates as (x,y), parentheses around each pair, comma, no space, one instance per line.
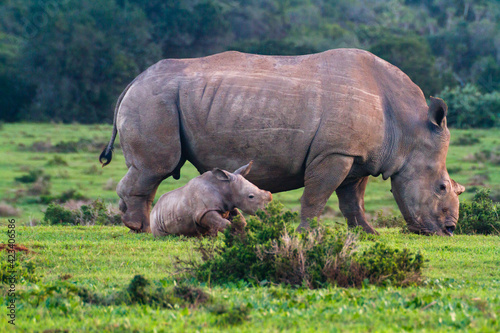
(244,170)
(221,174)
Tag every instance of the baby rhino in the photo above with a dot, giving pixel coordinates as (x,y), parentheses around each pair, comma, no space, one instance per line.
(207,203)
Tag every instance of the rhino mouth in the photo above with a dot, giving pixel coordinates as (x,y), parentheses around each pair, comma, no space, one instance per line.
(449,230)
(422,228)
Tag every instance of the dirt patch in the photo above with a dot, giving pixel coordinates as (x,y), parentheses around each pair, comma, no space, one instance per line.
(16,248)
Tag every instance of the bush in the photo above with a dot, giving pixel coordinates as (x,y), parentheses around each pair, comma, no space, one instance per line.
(139,291)
(7,210)
(382,221)
(32,176)
(40,187)
(468,107)
(24,271)
(272,251)
(57,215)
(95,213)
(230,316)
(481,216)
(82,145)
(57,161)
(467,139)
(65,196)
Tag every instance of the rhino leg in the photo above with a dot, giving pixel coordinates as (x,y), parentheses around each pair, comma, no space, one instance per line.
(241,224)
(137,191)
(150,138)
(214,223)
(323,175)
(352,204)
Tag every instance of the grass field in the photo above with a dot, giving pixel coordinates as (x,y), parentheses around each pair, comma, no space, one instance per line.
(462,277)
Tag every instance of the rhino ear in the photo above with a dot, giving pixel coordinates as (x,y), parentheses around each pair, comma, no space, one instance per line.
(244,170)
(459,189)
(221,174)
(437,112)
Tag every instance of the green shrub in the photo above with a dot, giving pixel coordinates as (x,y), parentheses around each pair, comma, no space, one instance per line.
(468,107)
(58,215)
(40,187)
(230,316)
(383,221)
(24,271)
(480,216)
(467,139)
(32,176)
(95,213)
(139,291)
(86,145)
(57,161)
(65,196)
(272,251)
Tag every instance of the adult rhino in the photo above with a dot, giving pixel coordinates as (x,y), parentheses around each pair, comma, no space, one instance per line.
(323,121)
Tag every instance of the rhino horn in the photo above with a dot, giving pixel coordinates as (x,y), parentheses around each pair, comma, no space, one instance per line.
(244,170)
(459,189)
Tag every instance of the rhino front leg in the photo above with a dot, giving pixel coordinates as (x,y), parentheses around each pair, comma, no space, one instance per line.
(241,224)
(323,175)
(213,222)
(352,204)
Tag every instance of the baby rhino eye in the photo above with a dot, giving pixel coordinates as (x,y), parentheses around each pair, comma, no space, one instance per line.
(442,187)
(251,196)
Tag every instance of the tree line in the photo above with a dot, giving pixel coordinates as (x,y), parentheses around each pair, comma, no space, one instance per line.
(68,60)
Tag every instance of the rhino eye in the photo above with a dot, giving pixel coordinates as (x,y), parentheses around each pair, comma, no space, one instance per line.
(442,187)
(251,196)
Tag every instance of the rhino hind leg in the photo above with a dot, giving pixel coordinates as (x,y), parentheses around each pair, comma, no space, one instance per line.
(352,204)
(322,177)
(150,137)
(137,191)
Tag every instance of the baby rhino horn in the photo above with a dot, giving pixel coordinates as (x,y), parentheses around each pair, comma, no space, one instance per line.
(459,189)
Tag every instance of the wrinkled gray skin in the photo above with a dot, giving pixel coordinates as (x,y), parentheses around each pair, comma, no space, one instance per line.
(205,203)
(323,121)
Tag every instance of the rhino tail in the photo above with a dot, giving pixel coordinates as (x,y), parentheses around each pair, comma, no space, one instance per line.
(107,153)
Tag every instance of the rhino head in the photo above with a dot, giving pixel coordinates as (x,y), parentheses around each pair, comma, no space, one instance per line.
(240,192)
(424,192)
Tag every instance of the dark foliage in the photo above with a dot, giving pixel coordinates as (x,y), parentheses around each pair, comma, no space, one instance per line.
(467,139)
(82,145)
(32,176)
(69,60)
(95,213)
(23,270)
(139,291)
(480,216)
(65,196)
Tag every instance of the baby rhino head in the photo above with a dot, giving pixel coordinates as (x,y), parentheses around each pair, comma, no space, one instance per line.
(240,192)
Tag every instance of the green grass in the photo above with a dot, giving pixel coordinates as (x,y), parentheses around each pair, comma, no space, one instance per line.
(461,292)
(462,289)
